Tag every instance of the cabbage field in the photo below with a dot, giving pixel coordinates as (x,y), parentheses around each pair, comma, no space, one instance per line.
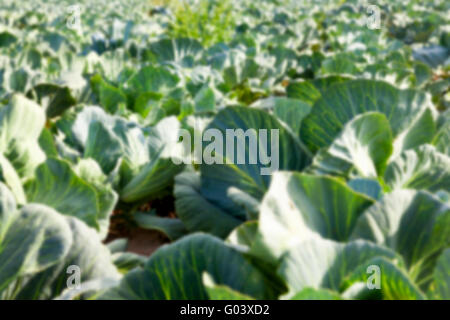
(224,149)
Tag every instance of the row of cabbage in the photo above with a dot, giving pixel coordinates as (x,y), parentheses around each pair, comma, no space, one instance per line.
(91,121)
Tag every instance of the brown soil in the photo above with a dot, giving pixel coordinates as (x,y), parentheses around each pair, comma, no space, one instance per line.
(145,242)
(140,241)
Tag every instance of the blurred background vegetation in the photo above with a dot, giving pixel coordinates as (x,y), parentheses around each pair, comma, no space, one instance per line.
(209,21)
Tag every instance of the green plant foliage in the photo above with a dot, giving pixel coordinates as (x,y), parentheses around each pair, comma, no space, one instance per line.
(273,149)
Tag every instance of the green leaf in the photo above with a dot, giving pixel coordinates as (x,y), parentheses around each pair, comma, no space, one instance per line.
(368,187)
(243,200)
(103,146)
(7,208)
(310,91)
(442,139)
(320,263)
(7,39)
(394,282)
(196,212)
(422,72)
(290,111)
(33,239)
(316,294)
(180,51)
(147,103)
(18,145)
(118,245)
(147,166)
(221,292)
(421,168)
(172,228)
(413,223)
(47,143)
(19,80)
(205,100)
(298,207)
(126,261)
(159,173)
(135,146)
(433,56)
(175,272)
(55,99)
(106,139)
(339,64)
(243,236)
(405,110)
(441,277)
(79,129)
(58,186)
(110,97)
(87,252)
(216,178)
(364,145)
(421,132)
(10,177)
(153,79)
(89,171)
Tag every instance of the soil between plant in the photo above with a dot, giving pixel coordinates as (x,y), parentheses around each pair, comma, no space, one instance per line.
(141,241)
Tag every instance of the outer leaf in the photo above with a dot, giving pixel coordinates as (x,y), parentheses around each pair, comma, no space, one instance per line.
(172,228)
(442,139)
(35,238)
(179,51)
(159,173)
(175,272)
(311,90)
(298,207)
(244,235)
(10,177)
(196,212)
(413,223)
(55,99)
(7,207)
(153,79)
(288,110)
(111,97)
(21,146)
(441,281)
(364,144)
(320,263)
(126,261)
(432,55)
(205,100)
(80,128)
(395,283)
(421,168)
(316,294)
(103,146)
(368,187)
(218,178)
(343,101)
(221,292)
(47,143)
(87,252)
(107,198)
(57,186)
(7,38)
